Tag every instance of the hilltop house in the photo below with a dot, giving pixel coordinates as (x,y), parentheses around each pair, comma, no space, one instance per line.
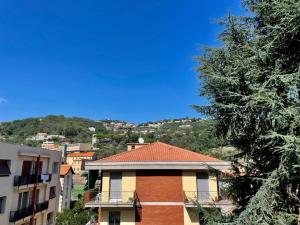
(156,184)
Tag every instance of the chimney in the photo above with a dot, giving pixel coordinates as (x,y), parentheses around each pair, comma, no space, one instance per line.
(132,146)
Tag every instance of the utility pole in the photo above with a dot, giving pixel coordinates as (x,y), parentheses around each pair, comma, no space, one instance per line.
(36,174)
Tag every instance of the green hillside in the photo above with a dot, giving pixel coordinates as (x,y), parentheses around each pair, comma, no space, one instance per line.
(191,133)
(74,129)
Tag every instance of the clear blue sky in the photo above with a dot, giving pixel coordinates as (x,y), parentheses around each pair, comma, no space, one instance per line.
(125,59)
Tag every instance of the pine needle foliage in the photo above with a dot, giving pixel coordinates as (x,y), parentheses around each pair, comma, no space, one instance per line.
(253,84)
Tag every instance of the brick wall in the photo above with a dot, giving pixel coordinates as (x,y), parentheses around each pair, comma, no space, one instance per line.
(159,186)
(161,215)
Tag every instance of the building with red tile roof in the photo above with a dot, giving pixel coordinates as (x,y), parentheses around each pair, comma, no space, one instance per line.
(76,160)
(157,184)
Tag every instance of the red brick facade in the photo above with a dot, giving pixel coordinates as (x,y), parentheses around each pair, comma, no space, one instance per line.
(159,186)
(161,215)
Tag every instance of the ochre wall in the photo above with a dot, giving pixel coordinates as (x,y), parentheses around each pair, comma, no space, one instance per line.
(159,186)
(213,185)
(161,215)
(189,183)
(104,217)
(128,185)
(127,216)
(105,186)
(190,216)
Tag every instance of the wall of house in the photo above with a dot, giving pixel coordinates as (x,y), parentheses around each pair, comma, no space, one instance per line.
(159,186)
(127,216)
(190,216)
(161,215)
(17,154)
(66,187)
(189,183)
(213,185)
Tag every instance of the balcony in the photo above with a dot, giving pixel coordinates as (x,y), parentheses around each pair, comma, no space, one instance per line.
(42,206)
(22,213)
(123,199)
(205,199)
(30,179)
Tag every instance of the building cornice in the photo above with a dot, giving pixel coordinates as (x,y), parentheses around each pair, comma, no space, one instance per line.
(161,165)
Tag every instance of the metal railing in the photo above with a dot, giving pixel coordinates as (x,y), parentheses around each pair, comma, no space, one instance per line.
(22,213)
(42,206)
(201,197)
(29,179)
(110,197)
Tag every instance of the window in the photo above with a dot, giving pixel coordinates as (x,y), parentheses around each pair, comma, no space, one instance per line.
(2,204)
(55,168)
(114,218)
(52,193)
(4,168)
(49,218)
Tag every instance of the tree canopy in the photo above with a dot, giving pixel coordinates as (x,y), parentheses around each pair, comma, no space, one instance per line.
(253,82)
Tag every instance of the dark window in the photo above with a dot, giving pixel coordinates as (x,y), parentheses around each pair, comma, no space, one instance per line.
(26,168)
(49,218)
(52,193)
(55,167)
(4,168)
(2,204)
(114,218)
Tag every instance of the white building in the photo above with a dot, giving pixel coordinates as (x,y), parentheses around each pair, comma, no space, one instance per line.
(66,182)
(29,181)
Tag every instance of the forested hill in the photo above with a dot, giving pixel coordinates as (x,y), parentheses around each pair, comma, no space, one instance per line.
(112,135)
(74,129)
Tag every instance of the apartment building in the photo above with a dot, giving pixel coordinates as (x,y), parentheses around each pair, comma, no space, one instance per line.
(66,182)
(29,181)
(76,160)
(156,184)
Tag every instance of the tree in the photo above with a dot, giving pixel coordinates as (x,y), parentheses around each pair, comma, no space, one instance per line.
(253,83)
(76,216)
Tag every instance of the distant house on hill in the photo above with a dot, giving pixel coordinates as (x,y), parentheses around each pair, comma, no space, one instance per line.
(44,137)
(76,160)
(156,184)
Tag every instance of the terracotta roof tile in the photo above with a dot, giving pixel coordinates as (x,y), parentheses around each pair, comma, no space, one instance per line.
(64,169)
(158,152)
(81,154)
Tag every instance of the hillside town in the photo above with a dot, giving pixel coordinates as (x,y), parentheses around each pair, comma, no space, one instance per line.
(150,112)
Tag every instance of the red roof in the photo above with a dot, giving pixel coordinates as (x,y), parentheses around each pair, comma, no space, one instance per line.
(81,154)
(157,152)
(64,169)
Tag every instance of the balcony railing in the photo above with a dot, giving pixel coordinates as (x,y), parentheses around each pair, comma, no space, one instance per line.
(31,179)
(42,206)
(205,197)
(22,213)
(110,199)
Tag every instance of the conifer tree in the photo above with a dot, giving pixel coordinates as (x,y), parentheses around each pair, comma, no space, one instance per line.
(253,83)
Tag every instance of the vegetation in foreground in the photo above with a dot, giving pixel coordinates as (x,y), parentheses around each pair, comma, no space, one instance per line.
(253,83)
(76,216)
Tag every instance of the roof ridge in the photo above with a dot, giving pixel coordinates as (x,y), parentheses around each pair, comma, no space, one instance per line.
(183,149)
(132,150)
(153,144)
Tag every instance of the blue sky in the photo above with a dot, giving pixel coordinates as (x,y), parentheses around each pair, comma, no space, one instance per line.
(130,60)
